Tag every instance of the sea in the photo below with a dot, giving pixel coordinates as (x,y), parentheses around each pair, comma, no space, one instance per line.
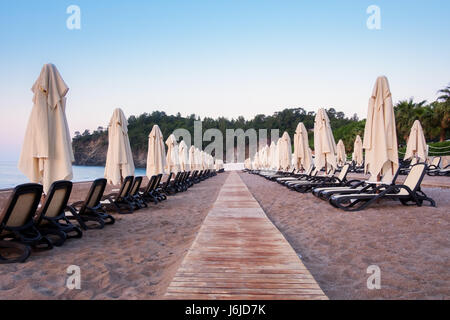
(10,176)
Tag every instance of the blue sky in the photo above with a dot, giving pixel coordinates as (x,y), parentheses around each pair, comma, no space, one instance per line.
(217,57)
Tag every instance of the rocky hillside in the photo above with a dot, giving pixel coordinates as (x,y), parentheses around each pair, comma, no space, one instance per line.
(91,151)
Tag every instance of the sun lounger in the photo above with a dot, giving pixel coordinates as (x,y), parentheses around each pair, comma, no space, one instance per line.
(51,218)
(333,181)
(17,230)
(409,192)
(434,169)
(91,209)
(120,202)
(352,186)
(135,197)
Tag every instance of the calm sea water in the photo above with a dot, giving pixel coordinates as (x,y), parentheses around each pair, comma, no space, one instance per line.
(10,176)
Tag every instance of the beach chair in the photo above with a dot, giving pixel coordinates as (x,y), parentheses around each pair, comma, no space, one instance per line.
(147,193)
(17,229)
(302,179)
(295,176)
(406,168)
(434,169)
(134,197)
(333,181)
(51,218)
(120,202)
(352,186)
(407,193)
(163,186)
(90,213)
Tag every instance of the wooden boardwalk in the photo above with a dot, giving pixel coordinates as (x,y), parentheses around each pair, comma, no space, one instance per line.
(240,255)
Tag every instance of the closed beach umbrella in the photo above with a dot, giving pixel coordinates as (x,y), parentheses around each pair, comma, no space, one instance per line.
(156,157)
(248,164)
(192,162)
(358,151)
(172,157)
(198,159)
(417,145)
(324,144)
(47,154)
(256,161)
(119,159)
(341,156)
(273,156)
(285,152)
(302,155)
(380,135)
(183,155)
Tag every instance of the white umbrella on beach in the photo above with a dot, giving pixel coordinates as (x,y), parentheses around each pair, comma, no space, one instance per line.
(119,159)
(192,165)
(357,155)
(341,155)
(47,154)
(198,159)
(183,155)
(324,144)
(302,155)
(248,164)
(417,145)
(285,152)
(380,135)
(172,157)
(156,157)
(273,155)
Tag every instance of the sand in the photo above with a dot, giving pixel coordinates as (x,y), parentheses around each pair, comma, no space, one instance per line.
(135,258)
(138,256)
(411,245)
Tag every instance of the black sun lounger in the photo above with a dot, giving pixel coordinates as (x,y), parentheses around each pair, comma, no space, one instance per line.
(407,193)
(51,218)
(17,230)
(91,210)
(120,202)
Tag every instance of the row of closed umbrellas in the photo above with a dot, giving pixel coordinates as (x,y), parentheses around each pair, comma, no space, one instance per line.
(47,154)
(380,142)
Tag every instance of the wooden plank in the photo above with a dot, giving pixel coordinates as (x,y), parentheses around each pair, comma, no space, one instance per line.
(240,255)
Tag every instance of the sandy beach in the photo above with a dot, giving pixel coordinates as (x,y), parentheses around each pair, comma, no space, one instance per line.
(135,258)
(411,245)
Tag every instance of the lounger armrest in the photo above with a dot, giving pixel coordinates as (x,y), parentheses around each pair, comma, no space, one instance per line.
(447,167)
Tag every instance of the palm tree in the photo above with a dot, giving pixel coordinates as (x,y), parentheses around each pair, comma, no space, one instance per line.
(406,112)
(442,112)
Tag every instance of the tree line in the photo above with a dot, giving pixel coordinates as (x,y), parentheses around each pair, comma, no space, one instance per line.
(434,116)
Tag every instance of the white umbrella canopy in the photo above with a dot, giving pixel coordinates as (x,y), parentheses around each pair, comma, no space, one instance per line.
(47,154)
(273,155)
(192,162)
(198,159)
(302,155)
(172,157)
(324,144)
(417,145)
(248,164)
(341,155)
(284,152)
(255,164)
(380,134)
(119,159)
(357,155)
(156,157)
(183,154)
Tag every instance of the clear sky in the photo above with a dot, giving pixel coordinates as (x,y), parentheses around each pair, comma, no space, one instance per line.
(217,57)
